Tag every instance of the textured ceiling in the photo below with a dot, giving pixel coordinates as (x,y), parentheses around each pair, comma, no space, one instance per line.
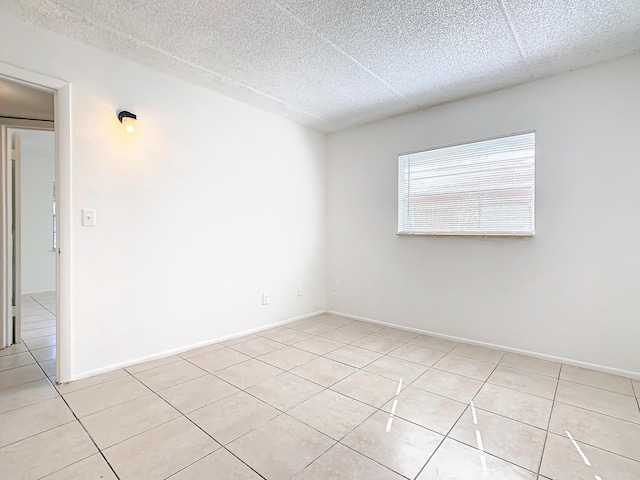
(20,101)
(332,64)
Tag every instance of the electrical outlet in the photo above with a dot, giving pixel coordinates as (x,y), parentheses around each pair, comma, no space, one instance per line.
(299,291)
(265,298)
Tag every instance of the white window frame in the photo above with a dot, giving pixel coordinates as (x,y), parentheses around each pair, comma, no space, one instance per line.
(404,197)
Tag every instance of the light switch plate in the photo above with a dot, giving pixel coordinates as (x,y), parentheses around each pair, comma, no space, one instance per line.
(88,217)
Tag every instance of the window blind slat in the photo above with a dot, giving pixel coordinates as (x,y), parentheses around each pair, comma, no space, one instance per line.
(485,187)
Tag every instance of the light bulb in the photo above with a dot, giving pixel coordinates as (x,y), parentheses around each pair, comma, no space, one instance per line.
(128,124)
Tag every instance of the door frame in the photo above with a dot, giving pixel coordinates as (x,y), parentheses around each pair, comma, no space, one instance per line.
(64,287)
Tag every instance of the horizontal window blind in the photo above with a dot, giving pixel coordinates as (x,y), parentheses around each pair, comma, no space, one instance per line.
(479,188)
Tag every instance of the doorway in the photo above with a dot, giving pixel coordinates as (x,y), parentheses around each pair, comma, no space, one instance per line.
(34,242)
(35,273)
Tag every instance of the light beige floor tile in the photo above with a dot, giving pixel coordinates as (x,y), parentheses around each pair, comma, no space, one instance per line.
(16,360)
(280,448)
(478,353)
(377,344)
(15,348)
(313,327)
(40,332)
(40,455)
(323,371)
(512,441)
(19,375)
(333,320)
(91,468)
(284,391)
(220,465)
(240,339)
(288,336)
(44,354)
(197,393)
(26,394)
(592,378)
(344,335)
(342,463)
(562,461)
(353,356)
(33,419)
(41,342)
(434,343)
(257,346)
(141,367)
(49,368)
(318,345)
(287,358)
(519,406)
(599,400)
(364,327)
(246,374)
(396,369)
(530,364)
(332,413)
(38,316)
(169,375)
(219,359)
(396,334)
(449,385)
(636,387)
(601,431)
(367,387)
(233,416)
(526,382)
(417,354)
(105,395)
(200,350)
(39,324)
(123,421)
(91,381)
(405,448)
(456,461)
(161,451)
(468,367)
(426,409)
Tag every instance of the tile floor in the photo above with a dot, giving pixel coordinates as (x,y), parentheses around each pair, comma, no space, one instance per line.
(322,399)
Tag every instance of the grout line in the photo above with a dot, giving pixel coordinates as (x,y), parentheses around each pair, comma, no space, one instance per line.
(546,436)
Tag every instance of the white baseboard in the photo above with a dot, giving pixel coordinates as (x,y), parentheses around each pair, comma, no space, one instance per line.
(542,356)
(185,348)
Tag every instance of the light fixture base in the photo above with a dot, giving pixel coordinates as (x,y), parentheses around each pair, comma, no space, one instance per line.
(124,114)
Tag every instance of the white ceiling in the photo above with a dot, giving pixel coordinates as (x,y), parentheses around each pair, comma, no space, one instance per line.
(20,101)
(332,64)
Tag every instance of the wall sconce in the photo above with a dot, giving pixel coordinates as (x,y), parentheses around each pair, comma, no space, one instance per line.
(127,119)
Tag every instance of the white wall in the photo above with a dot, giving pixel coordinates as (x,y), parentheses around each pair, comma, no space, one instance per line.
(210,203)
(38,260)
(572,291)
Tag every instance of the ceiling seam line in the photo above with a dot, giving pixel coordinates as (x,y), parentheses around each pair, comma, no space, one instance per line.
(191,64)
(512,29)
(341,51)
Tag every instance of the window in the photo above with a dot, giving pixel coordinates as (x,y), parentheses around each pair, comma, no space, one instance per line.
(480,188)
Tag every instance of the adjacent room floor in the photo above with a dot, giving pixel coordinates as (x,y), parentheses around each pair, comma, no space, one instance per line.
(322,398)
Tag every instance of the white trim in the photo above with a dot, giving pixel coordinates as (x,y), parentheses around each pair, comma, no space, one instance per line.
(62,106)
(183,349)
(542,356)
